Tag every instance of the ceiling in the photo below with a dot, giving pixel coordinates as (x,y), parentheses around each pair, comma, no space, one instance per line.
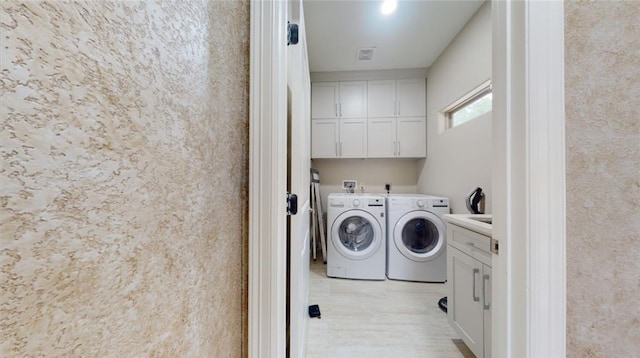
(412,37)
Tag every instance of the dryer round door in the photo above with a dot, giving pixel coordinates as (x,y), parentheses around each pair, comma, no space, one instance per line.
(356,234)
(420,235)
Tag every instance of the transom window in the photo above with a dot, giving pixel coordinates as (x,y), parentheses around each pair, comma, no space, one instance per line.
(470,106)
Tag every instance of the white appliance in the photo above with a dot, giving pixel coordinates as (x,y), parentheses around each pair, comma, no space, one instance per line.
(416,237)
(357,232)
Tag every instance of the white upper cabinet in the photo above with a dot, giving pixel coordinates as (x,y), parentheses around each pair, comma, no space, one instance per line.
(325,138)
(324,100)
(339,100)
(397,98)
(381,138)
(397,137)
(369,119)
(353,138)
(411,137)
(353,99)
(339,138)
(381,98)
(412,98)
(397,125)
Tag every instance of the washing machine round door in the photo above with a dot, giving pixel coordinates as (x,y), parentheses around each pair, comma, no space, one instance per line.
(420,236)
(356,234)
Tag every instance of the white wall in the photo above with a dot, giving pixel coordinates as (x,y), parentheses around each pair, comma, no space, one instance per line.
(402,174)
(459,159)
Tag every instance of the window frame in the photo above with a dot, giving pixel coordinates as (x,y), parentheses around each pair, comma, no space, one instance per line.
(466,100)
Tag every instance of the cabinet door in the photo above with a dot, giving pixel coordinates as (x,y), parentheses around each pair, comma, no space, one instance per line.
(412,137)
(465,312)
(353,138)
(381,98)
(412,98)
(324,100)
(353,99)
(487,302)
(381,138)
(324,138)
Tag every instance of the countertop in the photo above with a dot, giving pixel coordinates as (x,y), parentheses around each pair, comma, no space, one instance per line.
(467,221)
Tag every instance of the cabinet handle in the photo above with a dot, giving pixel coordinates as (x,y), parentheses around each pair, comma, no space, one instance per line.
(340,109)
(398,107)
(337,153)
(395,108)
(398,148)
(473,293)
(337,110)
(340,148)
(485,305)
(395,145)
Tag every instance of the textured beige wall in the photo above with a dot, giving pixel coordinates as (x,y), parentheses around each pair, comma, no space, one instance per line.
(602,42)
(124,178)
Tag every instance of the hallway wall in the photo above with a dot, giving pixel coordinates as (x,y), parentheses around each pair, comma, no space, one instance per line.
(603,188)
(124,178)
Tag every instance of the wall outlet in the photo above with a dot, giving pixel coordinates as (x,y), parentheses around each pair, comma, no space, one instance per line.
(349,185)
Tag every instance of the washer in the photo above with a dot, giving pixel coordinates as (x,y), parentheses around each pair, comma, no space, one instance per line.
(416,238)
(356,248)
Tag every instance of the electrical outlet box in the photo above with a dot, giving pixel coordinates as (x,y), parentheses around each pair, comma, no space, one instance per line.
(349,185)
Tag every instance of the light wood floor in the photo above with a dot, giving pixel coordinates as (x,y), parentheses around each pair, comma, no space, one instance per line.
(378,319)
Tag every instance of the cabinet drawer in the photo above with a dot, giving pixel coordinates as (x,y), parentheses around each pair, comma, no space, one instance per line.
(469,241)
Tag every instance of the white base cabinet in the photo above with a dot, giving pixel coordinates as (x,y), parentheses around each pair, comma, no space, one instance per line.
(469,297)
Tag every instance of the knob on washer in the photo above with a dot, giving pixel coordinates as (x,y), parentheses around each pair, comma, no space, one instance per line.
(356,202)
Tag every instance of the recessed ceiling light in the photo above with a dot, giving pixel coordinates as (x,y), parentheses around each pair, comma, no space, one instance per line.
(388,7)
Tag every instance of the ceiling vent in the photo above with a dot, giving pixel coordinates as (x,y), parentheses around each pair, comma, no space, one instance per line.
(365,54)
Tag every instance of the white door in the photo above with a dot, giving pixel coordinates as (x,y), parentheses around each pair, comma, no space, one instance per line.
(299,100)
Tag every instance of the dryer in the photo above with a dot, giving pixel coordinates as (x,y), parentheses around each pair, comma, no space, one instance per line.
(416,237)
(356,247)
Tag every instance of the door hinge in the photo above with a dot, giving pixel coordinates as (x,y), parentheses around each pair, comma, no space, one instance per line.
(292,34)
(495,246)
(292,204)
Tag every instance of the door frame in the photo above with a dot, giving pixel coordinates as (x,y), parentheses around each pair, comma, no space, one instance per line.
(529,302)
(267,180)
(528,179)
